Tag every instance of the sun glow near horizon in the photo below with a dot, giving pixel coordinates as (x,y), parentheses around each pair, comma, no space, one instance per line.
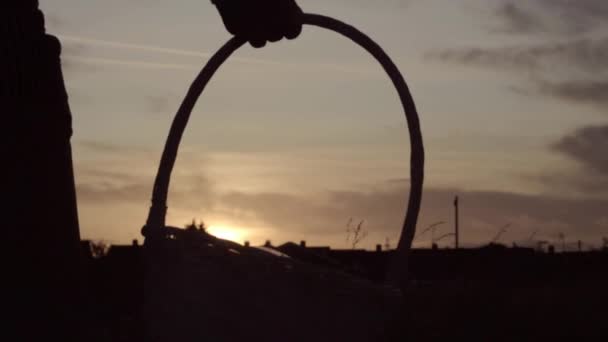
(227,233)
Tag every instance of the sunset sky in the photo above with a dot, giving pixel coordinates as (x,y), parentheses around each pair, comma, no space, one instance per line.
(290,141)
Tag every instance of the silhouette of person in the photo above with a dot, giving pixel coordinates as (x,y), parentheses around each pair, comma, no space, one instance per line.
(259,21)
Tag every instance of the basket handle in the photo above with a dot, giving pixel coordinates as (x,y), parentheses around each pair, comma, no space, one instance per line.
(156,216)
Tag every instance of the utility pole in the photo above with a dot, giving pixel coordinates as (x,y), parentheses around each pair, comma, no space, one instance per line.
(456,228)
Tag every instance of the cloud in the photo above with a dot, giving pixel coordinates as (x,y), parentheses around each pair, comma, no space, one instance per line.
(383,210)
(69,64)
(573,70)
(130,46)
(121,182)
(552,16)
(108,148)
(108,184)
(321,216)
(151,49)
(579,56)
(578,182)
(587,92)
(588,146)
(589,177)
(517,20)
(95,61)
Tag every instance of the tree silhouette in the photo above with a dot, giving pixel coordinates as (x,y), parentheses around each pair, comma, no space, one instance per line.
(193,226)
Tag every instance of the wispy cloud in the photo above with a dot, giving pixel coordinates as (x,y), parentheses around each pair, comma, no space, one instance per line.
(552,16)
(570,64)
(322,215)
(156,49)
(518,20)
(588,174)
(588,146)
(580,55)
(586,91)
(128,63)
(104,147)
(130,46)
(76,52)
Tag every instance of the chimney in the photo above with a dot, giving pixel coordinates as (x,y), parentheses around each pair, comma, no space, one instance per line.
(135,243)
(268,244)
(378,248)
(247,244)
(303,243)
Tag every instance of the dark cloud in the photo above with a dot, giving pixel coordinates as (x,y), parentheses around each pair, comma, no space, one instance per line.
(552,16)
(517,20)
(573,69)
(589,92)
(578,182)
(322,216)
(581,56)
(191,192)
(107,192)
(589,146)
(121,175)
(383,210)
(584,60)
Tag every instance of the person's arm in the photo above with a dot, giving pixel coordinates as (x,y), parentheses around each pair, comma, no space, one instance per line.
(260,21)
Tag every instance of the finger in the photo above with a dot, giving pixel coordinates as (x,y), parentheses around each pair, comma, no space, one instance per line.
(275,37)
(257,42)
(274,30)
(256,35)
(293,30)
(293,23)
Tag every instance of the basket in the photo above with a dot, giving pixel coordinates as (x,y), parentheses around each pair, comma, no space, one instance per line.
(189,277)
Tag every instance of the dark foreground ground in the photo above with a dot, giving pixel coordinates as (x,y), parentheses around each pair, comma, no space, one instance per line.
(239,293)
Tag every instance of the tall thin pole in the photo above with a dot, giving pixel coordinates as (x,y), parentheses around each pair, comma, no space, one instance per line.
(456,228)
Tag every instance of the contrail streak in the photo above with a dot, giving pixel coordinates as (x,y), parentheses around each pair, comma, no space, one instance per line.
(130,46)
(190,53)
(129,63)
(149,48)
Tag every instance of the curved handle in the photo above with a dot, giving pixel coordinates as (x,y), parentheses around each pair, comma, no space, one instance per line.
(156,216)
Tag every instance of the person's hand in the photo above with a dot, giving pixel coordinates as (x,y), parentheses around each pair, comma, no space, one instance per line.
(259,21)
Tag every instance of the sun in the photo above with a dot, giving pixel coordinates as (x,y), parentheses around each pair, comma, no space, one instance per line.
(226,233)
